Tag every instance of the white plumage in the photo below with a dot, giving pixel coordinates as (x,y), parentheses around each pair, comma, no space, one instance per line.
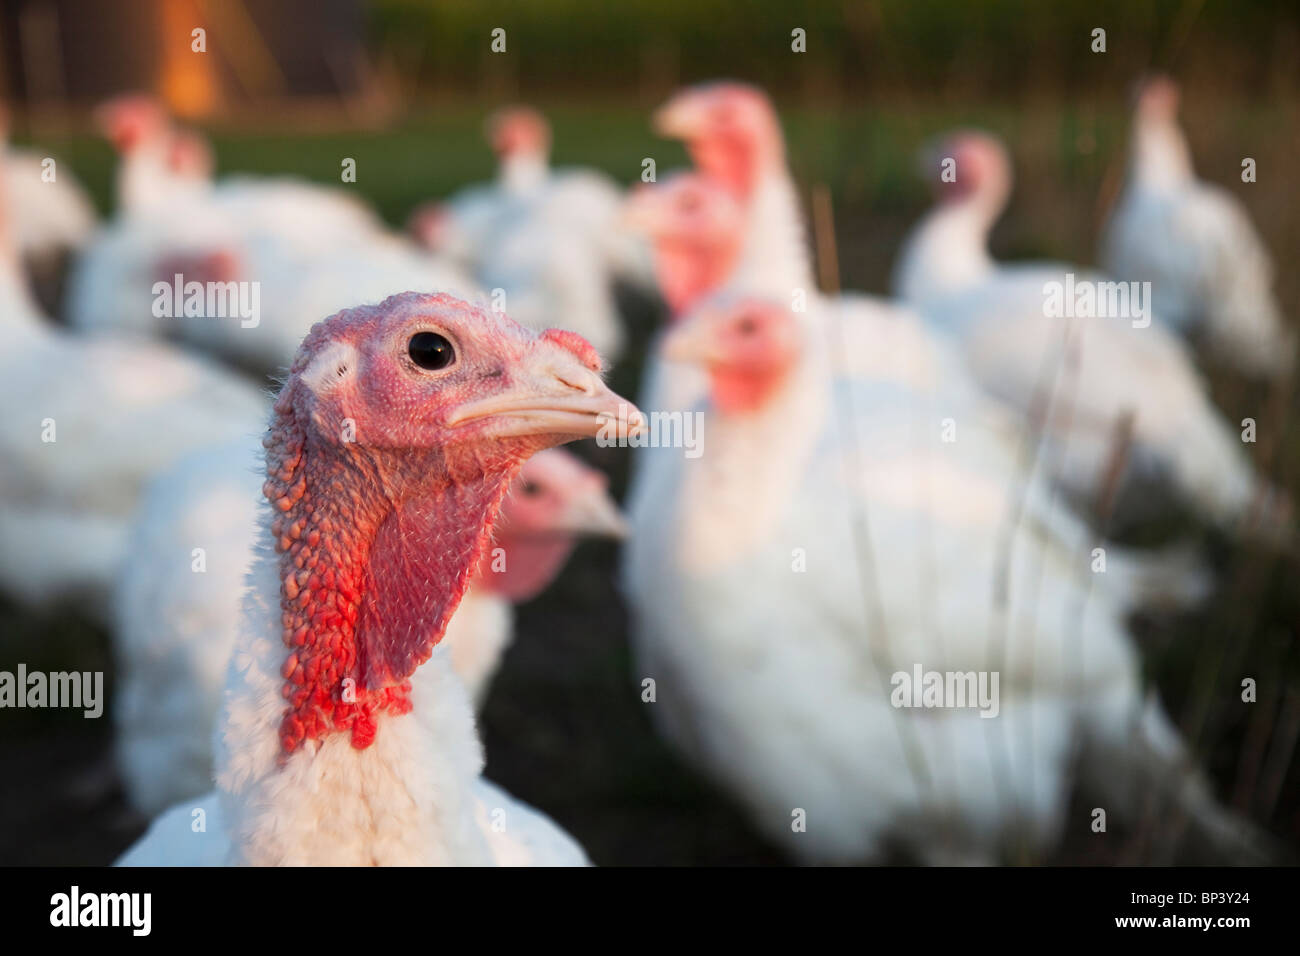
(176,615)
(313,268)
(784,696)
(1090,372)
(552,240)
(49,216)
(738,223)
(118,413)
(308,250)
(90,420)
(516,834)
(1209,270)
(177,612)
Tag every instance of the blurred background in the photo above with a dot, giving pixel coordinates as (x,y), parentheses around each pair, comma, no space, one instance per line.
(291,86)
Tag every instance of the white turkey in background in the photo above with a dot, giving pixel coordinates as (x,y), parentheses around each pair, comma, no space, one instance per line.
(701,230)
(177,601)
(1210,272)
(160,166)
(294,250)
(555,500)
(51,218)
(775,643)
(1091,373)
(88,422)
(554,241)
(734,137)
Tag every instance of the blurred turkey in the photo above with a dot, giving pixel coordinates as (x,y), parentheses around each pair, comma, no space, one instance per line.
(825,545)
(52,218)
(555,500)
(734,137)
(1083,377)
(737,223)
(88,422)
(1210,272)
(552,240)
(178,601)
(303,250)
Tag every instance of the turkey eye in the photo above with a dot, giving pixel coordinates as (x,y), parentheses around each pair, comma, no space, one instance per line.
(530,489)
(747,326)
(430,350)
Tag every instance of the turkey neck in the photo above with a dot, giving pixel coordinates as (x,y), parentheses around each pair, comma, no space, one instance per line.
(333,747)
(948,251)
(1160,157)
(523,172)
(775,257)
(739,491)
(403,800)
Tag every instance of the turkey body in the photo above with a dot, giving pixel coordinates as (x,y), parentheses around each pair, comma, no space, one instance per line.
(290,252)
(93,420)
(829,546)
(1077,379)
(1194,243)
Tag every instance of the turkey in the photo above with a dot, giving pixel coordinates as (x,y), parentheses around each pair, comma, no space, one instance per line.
(52,213)
(556,499)
(240,268)
(345,737)
(825,550)
(177,602)
(162,165)
(553,241)
(698,231)
(734,137)
(88,422)
(1209,270)
(1082,376)
(463,226)
(159,165)
(52,218)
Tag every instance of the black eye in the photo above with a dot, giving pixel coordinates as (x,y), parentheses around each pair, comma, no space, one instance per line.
(748,326)
(530,489)
(430,350)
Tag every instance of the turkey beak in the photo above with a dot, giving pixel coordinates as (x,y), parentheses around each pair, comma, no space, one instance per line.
(682,117)
(639,211)
(554,393)
(692,341)
(592,512)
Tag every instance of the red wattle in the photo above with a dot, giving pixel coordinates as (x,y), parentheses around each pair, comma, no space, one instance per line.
(368,584)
